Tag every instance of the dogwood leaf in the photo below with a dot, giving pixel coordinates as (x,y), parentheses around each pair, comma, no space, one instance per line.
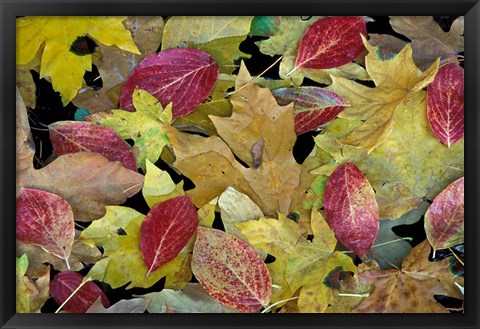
(63,66)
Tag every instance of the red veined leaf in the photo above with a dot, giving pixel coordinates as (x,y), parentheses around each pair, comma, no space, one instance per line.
(231,271)
(45,219)
(312,107)
(64,284)
(182,76)
(444,219)
(72,137)
(445,104)
(331,42)
(351,209)
(166,230)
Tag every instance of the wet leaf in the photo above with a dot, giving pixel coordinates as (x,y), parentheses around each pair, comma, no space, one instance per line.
(64,284)
(71,136)
(445,104)
(313,106)
(444,220)
(166,230)
(63,66)
(182,76)
(45,219)
(231,271)
(351,209)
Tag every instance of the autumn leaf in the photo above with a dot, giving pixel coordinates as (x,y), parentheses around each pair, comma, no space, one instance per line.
(59,62)
(145,126)
(45,219)
(166,230)
(211,165)
(191,299)
(231,271)
(182,76)
(410,164)
(312,107)
(445,104)
(25,147)
(351,209)
(65,284)
(134,305)
(159,186)
(396,79)
(411,289)
(22,295)
(444,220)
(24,79)
(70,137)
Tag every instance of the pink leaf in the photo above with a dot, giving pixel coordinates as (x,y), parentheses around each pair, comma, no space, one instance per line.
(444,220)
(313,106)
(351,209)
(231,271)
(45,219)
(331,42)
(166,230)
(445,104)
(65,283)
(72,137)
(184,77)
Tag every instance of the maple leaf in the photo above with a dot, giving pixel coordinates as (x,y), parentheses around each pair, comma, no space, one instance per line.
(411,289)
(59,62)
(145,126)
(211,165)
(299,263)
(396,79)
(410,164)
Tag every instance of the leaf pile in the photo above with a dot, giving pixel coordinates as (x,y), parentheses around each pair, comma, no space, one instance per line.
(185,181)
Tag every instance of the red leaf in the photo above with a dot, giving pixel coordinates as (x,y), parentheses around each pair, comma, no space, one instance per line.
(45,219)
(351,209)
(65,283)
(231,271)
(313,106)
(72,137)
(166,230)
(445,104)
(331,42)
(182,76)
(444,220)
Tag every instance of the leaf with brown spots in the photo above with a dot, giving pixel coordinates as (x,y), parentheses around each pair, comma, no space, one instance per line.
(411,289)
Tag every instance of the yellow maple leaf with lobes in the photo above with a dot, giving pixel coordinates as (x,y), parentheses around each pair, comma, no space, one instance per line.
(65,68)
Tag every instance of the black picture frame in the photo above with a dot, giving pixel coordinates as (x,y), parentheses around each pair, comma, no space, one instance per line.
(11,8)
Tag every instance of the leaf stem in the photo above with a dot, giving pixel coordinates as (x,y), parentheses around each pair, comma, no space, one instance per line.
(366,294)
(382,244)
(72,294)
(254,78)
(274,304)
(68,264)
(456,256)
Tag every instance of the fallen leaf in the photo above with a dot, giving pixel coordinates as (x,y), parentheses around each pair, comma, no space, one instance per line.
(410,165)
(396,79)
(134,305)
(444,220)
(159,186)
(31,292)
(231,271)
(182,76)
(411,289)
(24,79)
(312,107)
(166,230)
(71,136)
(331,42)
(22,292)
(64,67)
(351,209)
(64,285)
(191,299)
(25,147)
(445,104)
(45,219)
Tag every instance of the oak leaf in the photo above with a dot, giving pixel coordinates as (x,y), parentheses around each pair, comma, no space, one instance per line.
(63,66)
(410,289)
(396,80)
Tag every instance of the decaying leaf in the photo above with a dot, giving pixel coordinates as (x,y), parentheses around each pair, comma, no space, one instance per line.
(411,289)
(351,209)
(444,220)
(231,271)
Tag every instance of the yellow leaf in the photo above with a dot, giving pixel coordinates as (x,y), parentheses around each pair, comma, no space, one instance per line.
(396,79)
(158,185)
(65,68)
